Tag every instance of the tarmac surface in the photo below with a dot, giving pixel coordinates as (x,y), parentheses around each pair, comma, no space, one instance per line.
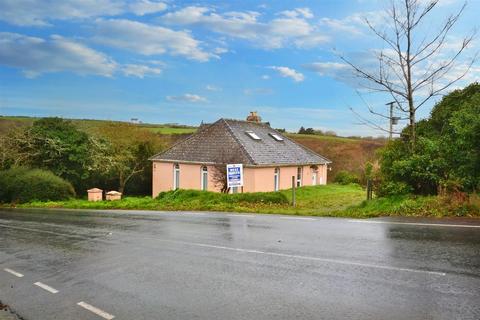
(74,264)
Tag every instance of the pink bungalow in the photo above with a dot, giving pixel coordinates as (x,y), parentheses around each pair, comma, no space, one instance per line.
(269,159)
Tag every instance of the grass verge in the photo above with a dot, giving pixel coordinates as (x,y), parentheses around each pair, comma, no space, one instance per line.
(331,200)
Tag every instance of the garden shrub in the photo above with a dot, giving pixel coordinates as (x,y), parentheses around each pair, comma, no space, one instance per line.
(24,185)
(393,188)
(344,177)
(184,196)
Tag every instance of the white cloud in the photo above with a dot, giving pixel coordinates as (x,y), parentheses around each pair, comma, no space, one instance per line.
(298,12)
(211,87)
(40,13)
(354,24)
(328,68)
(148,39)
(291,28)
(287,72)
(35,56)
(187,97)
(143,7)
(140,71)
(265,77)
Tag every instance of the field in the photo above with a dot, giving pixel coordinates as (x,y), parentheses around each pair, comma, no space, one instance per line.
(349,154)
(7,122)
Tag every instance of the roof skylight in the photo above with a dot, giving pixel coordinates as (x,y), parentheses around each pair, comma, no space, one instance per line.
(253,135)
(276,136)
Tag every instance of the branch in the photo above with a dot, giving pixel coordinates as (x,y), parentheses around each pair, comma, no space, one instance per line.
(378,80)
(370,123)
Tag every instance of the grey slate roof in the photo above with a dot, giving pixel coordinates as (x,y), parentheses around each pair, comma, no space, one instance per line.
(226,141)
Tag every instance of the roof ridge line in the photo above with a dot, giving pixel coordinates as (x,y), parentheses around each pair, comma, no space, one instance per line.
(179,142)
(238,141)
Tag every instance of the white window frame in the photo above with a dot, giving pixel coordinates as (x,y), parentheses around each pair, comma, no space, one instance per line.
(276,179)
(204,178)
(276,136)
(253,135)
(176,170)
(299,176)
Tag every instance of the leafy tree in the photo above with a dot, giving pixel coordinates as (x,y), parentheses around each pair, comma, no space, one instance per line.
(53,144)
(127,150)
(447,151)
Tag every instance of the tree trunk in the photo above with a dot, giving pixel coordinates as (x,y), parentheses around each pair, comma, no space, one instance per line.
(121,183)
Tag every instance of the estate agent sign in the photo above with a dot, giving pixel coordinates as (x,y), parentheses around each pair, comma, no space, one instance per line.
(234,175)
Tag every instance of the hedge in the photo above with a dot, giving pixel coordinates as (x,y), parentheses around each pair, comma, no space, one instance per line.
(19,185)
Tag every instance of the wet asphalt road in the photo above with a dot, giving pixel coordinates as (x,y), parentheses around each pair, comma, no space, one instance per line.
(159,265)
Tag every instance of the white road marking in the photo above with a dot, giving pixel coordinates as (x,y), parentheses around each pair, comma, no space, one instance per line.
(45,287)
(295,218)
(241,215)
(95,310)
(418,224)
(193,213)
(334,261)
(16,274)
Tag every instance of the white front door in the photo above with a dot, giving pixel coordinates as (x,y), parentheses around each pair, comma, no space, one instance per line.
(314,178)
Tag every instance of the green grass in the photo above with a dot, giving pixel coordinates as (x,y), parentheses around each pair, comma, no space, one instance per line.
(424,206)
(322,137)
(332,200)
(315,201)
(172,130)
(87,124)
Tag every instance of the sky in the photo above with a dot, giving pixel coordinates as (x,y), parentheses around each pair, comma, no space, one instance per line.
(191,61)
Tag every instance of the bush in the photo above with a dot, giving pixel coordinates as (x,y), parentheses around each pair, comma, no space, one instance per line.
(205,197)
(393,188)
(24,185)
(345,177)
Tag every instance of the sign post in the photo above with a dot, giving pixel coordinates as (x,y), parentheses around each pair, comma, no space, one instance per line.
(294,185)
(234,175)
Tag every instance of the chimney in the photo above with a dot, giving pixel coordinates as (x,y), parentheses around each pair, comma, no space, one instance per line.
(254,117)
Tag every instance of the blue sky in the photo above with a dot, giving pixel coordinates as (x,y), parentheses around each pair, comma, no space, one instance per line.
(188,61)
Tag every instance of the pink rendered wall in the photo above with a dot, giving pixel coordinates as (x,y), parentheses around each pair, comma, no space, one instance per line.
(255,179)
(162,179)
(249,180)
(190,177)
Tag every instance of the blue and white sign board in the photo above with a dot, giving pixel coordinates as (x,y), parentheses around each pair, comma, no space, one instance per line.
(234,175)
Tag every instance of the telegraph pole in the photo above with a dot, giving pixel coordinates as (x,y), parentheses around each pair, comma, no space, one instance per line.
(390,131)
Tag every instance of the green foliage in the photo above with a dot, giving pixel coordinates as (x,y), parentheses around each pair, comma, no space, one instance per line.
(368,170)
(393,188)
(126,156)
(109,156)
(24,185)
(207,198)
(344,177)
(313,200)
(53,144)
(425,206)
(447,149)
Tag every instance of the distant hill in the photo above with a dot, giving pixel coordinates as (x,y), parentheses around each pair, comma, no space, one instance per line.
(349,154)
(346,153)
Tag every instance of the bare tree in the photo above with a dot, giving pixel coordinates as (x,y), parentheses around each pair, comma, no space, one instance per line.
(414,67)
(219,174)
